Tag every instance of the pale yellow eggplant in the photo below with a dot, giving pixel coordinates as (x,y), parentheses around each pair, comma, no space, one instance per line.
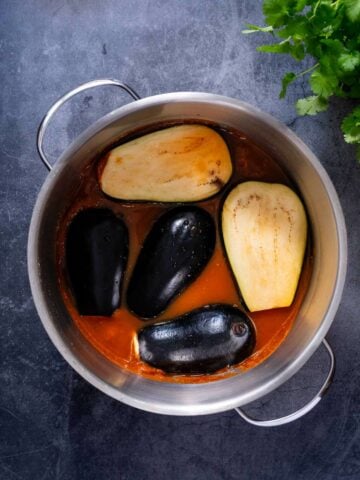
(184,163)
(265,229)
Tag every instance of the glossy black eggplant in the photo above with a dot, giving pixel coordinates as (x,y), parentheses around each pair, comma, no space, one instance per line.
(174,253)
(199,342)
(97,247)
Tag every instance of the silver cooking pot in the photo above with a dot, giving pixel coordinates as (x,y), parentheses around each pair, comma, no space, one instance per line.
(318,308)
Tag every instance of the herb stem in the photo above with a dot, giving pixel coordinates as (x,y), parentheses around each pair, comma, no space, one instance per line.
(315,8)
(308,70)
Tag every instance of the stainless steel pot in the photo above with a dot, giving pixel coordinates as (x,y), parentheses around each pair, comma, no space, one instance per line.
(317,311)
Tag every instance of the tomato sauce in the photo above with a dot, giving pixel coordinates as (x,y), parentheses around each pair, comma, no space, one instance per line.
(114,336)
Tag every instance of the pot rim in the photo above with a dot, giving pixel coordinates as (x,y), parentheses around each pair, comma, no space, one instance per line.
(287,370)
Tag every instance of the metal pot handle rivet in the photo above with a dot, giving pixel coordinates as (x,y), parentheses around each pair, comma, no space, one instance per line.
(275,422)
(55,107)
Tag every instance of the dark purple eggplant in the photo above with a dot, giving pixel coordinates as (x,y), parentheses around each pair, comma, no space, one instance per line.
(199,342)
(97,247)
(174,254)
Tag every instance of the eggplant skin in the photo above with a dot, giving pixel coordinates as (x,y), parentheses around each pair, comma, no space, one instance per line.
(97,246)
(174,253)
(199,342)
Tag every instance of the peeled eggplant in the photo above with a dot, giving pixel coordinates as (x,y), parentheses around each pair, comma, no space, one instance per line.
(174,253)
(96,256)
(184,163)
(265,229)
(199,342)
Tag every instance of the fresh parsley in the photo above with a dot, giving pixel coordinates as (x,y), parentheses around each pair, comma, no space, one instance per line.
(329,31)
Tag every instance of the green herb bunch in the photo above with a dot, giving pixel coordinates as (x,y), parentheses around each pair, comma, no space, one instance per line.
(329,31)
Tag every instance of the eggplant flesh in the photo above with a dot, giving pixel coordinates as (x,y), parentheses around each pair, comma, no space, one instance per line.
(199,342)
(265,230)
(97,247)
(175,252)
(184,163)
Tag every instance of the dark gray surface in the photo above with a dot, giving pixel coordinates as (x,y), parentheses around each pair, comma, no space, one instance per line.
(52,423)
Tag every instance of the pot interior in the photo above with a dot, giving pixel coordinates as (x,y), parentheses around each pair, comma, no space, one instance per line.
(318,308)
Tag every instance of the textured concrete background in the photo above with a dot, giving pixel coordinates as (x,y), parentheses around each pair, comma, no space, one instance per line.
(52,423)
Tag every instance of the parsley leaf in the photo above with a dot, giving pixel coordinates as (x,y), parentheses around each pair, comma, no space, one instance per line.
(353,9)
(349,61)
(276,12)
(295,50)
(311,105)
(328,31)
(351,126)
(323,84)
(285,82)
(351,129)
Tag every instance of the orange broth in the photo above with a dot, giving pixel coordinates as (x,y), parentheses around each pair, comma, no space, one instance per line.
(114,336)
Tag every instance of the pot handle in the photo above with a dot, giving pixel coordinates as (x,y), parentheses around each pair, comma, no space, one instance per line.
(275,422)
(55,107)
